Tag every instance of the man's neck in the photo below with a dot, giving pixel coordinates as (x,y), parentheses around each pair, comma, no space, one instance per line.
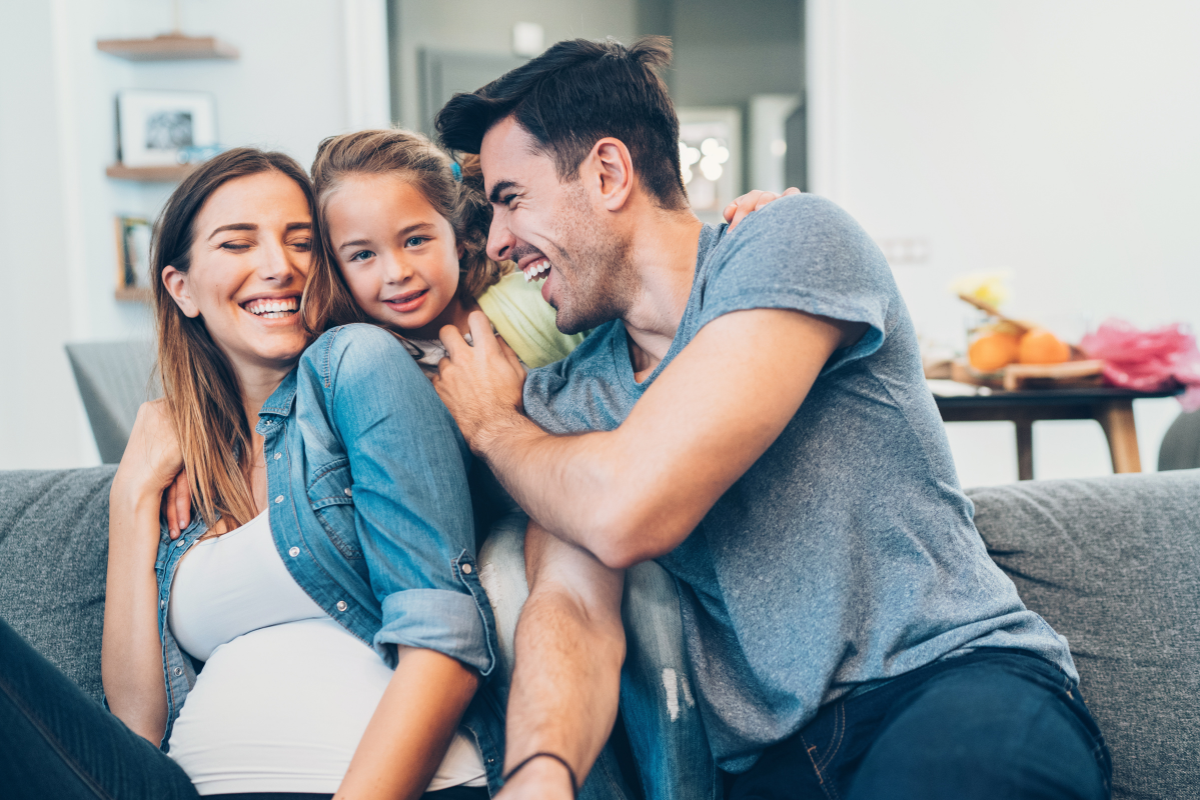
(664,246)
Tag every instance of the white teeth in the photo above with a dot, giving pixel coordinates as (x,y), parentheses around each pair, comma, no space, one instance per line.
(536,269)
(273,309)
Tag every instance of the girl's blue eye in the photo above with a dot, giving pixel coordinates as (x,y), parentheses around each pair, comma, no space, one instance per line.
(416,241)
(361,255)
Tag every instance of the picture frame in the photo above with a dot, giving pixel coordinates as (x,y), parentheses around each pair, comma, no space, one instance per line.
(154,127)
(133,258)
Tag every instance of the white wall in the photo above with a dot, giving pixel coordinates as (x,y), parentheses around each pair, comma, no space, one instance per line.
(288,90)
(1053,139)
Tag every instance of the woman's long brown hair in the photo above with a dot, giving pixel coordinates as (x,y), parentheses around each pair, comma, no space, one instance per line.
(199,384)
(431,171)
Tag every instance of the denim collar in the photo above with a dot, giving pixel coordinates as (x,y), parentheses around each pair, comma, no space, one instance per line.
(279,404)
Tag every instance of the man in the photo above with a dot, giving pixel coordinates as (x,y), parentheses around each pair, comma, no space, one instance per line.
(751,413)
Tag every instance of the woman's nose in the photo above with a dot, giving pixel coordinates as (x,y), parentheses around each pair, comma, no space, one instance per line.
(280,264)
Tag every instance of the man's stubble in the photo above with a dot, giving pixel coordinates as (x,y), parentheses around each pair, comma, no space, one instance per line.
(598,277)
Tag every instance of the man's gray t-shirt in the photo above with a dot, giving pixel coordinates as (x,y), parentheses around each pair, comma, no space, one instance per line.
(847,554)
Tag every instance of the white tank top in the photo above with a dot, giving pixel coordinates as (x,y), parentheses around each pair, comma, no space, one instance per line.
(286,692)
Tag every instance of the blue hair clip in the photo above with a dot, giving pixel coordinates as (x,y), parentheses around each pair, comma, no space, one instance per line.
(457,171)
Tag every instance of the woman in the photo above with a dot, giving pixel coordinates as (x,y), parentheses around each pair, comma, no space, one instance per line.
(334,543)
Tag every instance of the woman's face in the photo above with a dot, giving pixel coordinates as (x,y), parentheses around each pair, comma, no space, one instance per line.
(250,259)
(397,253)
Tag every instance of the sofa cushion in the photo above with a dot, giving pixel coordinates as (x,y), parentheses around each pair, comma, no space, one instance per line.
(1114,565)
(53,552)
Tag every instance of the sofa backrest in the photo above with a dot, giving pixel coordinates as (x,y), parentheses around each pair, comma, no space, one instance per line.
(1114,565)
(53,554)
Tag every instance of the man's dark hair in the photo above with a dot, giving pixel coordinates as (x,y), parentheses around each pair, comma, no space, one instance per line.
(575,94)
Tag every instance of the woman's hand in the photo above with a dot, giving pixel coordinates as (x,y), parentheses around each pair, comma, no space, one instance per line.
(177,504)
(152,459)
(752,200)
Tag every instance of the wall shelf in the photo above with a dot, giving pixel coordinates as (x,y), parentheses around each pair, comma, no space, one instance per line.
(168,47)
(133,294)
(170,173)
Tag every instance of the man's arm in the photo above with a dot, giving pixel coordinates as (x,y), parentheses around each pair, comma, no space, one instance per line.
(635,493)
(569,648)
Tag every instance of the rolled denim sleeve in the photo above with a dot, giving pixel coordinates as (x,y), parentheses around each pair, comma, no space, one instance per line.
(413,518)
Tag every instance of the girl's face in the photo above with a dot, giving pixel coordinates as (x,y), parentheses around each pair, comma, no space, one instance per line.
(397,254)
(250,256)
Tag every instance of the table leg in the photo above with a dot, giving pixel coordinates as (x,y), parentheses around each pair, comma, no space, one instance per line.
(1116,417)
(1024,449)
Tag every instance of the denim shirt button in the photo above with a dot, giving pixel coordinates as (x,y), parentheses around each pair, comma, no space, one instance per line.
(295,551)
(466,568)
(162,603)
(278,456)
(180,543)
(341,605)
(279,499)
(177,671)
(348,492)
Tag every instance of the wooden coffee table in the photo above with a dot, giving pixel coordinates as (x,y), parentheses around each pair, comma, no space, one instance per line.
(1112,408)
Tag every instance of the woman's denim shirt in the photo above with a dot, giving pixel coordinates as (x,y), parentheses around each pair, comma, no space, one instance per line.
(371,514)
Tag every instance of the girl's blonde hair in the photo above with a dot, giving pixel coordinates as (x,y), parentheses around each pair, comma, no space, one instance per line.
(200,387)
(455,190)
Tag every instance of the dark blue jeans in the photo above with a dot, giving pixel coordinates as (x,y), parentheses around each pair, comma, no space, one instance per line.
(56,742)
(994,724)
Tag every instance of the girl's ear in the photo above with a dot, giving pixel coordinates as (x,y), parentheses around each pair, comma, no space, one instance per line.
(177,286)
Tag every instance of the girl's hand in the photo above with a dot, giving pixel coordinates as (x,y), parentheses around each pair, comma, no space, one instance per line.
(152,459)
(752,200)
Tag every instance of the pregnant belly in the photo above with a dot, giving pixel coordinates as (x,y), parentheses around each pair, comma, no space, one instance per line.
(279,709)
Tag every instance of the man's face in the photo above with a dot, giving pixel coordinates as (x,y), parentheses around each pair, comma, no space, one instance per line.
(555,232)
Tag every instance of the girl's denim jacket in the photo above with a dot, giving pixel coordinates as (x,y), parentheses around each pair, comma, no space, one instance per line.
(371,514)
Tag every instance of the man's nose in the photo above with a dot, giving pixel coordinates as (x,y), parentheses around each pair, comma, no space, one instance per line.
(500,240)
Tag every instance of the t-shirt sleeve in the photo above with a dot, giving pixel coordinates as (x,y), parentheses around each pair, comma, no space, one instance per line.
(807,254)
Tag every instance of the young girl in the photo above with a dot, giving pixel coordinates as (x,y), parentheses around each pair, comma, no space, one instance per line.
(406,248)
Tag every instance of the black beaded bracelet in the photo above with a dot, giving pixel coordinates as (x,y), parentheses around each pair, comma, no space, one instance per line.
(556,757)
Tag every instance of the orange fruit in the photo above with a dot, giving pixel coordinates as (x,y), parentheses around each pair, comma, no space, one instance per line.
(1040,346)
(993,351)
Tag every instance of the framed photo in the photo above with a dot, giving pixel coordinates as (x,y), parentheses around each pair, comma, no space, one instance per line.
(133,257)
(710,158)
(154,127)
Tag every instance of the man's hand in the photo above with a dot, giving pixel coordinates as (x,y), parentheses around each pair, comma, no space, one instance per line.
(753,200)
(481,385)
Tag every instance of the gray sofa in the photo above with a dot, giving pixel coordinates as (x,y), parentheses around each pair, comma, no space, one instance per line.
(1112,563)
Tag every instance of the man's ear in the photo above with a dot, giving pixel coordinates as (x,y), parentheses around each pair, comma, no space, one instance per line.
(176,283)
(612,168)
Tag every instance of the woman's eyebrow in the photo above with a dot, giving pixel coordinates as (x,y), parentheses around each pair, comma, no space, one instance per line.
(237,226)
(299,226)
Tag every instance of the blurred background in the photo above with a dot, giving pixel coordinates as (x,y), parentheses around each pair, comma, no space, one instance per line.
(1053,141)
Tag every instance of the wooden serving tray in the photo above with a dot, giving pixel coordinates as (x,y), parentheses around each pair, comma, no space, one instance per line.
(1014,377)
